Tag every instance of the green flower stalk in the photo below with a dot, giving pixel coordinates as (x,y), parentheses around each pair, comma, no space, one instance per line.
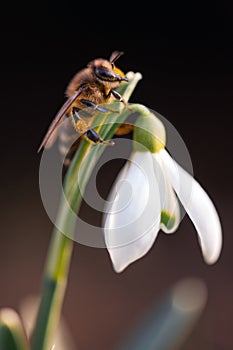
(61,247)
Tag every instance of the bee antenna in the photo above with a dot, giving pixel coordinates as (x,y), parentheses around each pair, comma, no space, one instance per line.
(115,55)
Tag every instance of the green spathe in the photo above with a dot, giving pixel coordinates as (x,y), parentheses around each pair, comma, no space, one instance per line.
(149,134)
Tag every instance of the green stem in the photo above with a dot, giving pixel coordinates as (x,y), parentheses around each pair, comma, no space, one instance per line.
(59,255)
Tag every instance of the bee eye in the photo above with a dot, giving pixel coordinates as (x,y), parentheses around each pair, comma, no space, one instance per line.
(106,74)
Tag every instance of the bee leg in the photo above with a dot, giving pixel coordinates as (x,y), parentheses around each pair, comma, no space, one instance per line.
(96,107)
(119,97)
(93,136)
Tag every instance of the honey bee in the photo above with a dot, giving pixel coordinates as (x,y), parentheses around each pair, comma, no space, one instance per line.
(90,87)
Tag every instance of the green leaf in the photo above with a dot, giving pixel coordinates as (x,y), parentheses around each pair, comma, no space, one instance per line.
(12,333)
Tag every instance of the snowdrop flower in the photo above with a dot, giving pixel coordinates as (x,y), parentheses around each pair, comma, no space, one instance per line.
(144,199)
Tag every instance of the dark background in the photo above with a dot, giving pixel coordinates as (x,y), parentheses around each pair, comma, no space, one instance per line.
(185,54)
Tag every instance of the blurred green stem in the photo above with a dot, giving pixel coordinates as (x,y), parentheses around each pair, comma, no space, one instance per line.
(61,246)
(166,325)
(12,332)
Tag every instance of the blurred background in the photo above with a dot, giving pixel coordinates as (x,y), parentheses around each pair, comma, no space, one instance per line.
(185,54)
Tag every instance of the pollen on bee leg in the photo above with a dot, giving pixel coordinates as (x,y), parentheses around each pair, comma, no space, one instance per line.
(81,126)
(124,129)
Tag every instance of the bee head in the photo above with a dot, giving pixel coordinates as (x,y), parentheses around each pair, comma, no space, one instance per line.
(106,71)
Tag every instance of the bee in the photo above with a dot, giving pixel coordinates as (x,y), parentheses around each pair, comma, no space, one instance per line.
(90,87)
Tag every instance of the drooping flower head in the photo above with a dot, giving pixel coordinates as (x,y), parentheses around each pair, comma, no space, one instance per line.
(145,198)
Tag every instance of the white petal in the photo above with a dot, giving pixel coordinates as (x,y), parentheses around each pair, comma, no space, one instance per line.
(199,207)
(133,218)
(170,208)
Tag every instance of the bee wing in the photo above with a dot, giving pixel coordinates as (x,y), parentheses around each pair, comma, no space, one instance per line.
(52,138)
(58,118)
